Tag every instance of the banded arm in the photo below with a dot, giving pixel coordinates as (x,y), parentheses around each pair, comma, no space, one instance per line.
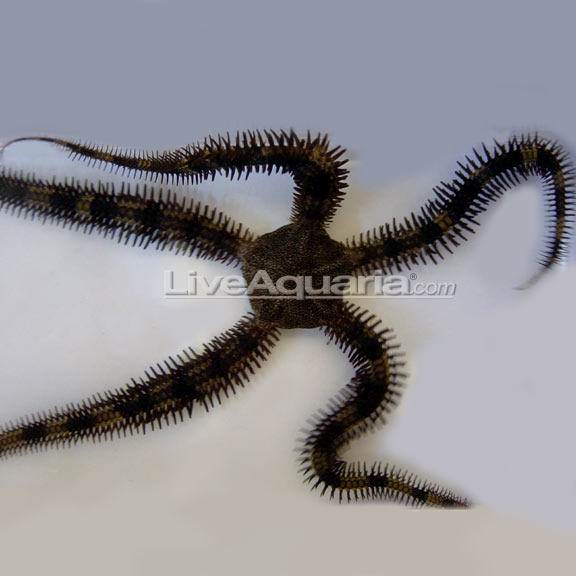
(445,220)
(166,394)
(140,215)
(358,408)
(317,170)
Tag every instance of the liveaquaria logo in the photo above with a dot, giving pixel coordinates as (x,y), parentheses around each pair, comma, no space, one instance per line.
(191,285)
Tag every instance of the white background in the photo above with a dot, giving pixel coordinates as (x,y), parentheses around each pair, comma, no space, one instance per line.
(408,88)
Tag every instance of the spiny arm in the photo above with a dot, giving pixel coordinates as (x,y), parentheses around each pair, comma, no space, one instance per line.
(317,169)
(445,221)
(164,395)
(140,215)
(358,408)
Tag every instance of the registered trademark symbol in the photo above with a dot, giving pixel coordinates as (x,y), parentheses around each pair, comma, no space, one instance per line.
(413,276)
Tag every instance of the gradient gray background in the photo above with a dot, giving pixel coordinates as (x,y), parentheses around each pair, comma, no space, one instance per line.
(408,88)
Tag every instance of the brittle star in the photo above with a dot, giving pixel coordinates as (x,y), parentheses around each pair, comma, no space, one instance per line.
(301,248)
